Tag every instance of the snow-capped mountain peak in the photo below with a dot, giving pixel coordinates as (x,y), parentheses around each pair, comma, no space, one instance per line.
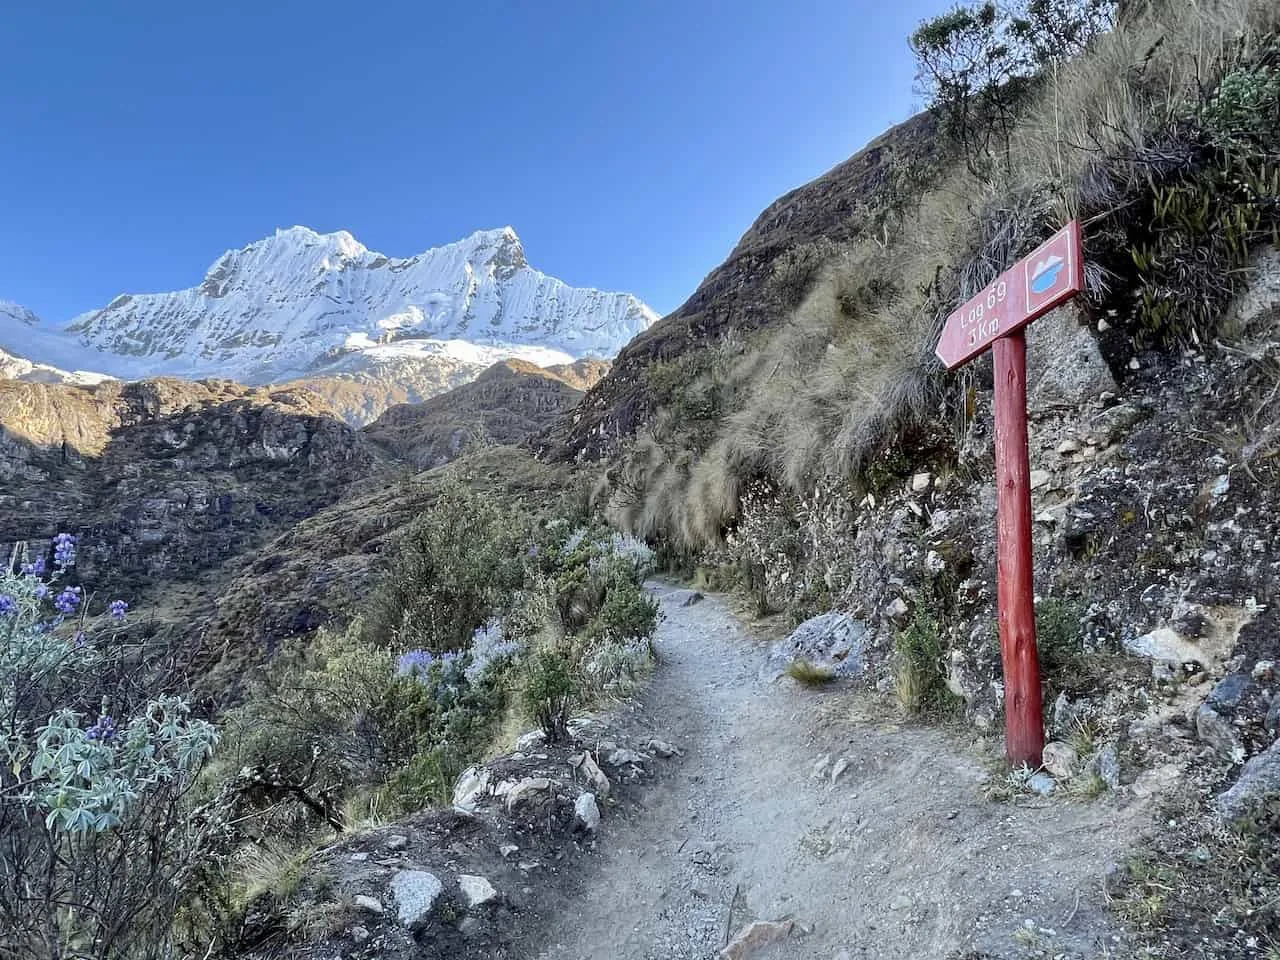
(305,304)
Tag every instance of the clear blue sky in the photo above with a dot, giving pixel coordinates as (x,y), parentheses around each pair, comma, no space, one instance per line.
(629,143)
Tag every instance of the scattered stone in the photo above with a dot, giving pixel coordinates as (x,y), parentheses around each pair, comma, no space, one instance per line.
(531,740)
(1106,764)
(507,849)
(1061,759)
(1064,715)
(921,482)
(704,853)
(525,790)
(754,936)
(819,768)
(587,811)
(621,757)
(1040,478)
(1042,784)
(701,888)
(416,892)
(1167,651)
(840,767)
(477,890)
(692,599)
(1226,696)
(897,611)
(588,767)
(1259,780)
(1068,447)
(369,904)
(1221,486)
(359,934)
(664,749)
(1215,730)
(900,902)
(360,857)
(396,842)
(1272,721)
(832,640)
(470,786)
(1264,670)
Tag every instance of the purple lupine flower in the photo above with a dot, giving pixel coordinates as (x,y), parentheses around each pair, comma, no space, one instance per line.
(104,730)
(8,605)
(64,550)
(80,639)
(117,609)
(414,663)
(67,600)
(33,569)
(41,591)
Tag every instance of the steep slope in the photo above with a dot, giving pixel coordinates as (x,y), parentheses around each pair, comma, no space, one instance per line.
(740,294)
(166,479)
(301,304)
(507,403)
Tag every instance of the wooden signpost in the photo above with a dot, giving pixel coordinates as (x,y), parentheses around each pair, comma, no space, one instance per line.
(1047,278)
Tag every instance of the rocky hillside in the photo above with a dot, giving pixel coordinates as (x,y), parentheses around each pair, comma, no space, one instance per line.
(746,293)
(503,406)
(165,479)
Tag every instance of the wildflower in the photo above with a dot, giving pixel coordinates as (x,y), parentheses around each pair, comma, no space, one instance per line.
(117,609)
(34,569)
(80,639)
(414,663)
(42,591)
(64,550)
(7,605)
(67,600)
(104,730)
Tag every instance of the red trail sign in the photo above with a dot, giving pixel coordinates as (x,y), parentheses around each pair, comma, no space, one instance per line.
(1048,277)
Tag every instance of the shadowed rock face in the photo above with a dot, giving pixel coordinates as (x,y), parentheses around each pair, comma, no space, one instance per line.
(508,403)
(735,296)
(165,479)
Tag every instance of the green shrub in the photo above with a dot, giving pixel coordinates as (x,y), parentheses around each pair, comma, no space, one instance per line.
(549,690)
(919,666)
(461,562)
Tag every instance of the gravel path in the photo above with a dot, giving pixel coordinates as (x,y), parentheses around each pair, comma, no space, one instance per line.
(900,857)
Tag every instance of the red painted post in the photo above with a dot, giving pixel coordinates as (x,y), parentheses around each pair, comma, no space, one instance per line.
(1024,710)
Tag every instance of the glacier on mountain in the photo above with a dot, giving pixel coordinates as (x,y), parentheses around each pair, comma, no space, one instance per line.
(303,304)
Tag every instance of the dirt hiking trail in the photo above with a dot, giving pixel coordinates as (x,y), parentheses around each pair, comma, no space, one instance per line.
(900,856)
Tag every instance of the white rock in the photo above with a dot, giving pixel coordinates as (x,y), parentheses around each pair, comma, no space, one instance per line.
(897,610)
(470,787)
(1061,759)
(619,758)
(1042,784)
(664,749)
(587,765)
(416,892)
(1165,646)
(839,768)
(587,811)
(1040,478)
(507,849)
(396,842)
(368,904)
(531,741)
(359,934)
(525,790)
(1264,669)
(1068,447)
(921,482)
(477,890)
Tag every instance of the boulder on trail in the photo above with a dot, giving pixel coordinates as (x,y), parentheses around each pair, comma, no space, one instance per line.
(832,640)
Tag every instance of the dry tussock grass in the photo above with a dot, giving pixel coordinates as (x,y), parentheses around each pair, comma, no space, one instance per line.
(852,366)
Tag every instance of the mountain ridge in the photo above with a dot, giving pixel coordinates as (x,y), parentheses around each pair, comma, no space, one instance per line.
(301,304)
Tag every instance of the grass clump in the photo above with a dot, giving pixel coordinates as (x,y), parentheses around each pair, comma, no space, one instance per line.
(808,673)
(919,667)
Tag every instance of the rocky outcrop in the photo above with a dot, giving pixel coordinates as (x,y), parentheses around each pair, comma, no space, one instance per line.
(166,479)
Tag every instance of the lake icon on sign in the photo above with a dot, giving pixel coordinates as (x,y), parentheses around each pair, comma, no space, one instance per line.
(1045,275)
